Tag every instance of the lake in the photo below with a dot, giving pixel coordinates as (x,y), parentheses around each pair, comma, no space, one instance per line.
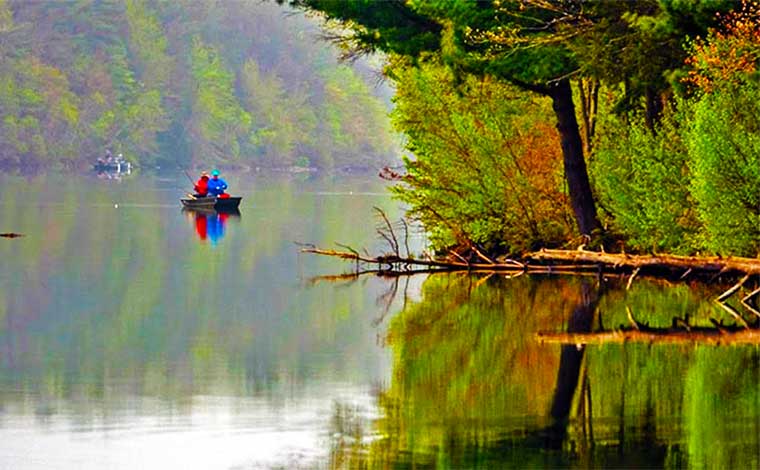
(134,334)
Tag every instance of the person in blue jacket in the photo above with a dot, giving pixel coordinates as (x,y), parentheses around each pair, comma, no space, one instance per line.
(216,185)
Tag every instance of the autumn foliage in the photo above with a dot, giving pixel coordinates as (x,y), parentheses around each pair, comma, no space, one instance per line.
(730,54)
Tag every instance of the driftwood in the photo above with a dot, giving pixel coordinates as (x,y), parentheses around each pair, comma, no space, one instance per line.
(11,235)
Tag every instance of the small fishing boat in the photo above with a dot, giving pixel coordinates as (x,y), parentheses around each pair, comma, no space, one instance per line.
(121,166)
(219,204)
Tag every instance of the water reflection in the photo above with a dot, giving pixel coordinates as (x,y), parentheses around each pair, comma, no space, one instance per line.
(210,225)
(122,347)
(473,388)
(127,343)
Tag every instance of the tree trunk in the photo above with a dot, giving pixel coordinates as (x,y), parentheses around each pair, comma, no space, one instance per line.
(653,108)
(576,174)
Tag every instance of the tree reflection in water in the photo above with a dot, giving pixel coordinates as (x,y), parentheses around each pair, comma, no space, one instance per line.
(473,388)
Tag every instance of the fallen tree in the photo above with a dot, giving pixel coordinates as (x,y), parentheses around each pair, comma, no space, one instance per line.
(712,336)
(556,261)
(583,262)
(575,262)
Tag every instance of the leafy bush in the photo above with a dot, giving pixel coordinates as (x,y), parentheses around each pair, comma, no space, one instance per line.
(725,146)
(484,170)
(642,179)
(724,139)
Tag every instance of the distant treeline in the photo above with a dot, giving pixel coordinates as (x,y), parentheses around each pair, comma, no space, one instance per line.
(192,82)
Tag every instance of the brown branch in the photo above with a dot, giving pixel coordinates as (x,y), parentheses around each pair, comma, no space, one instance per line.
(729,292)
(712,264)
(406,237)
(571,262)
(709,336)
(339,254)
(481,255)
(394,244)
(459,257)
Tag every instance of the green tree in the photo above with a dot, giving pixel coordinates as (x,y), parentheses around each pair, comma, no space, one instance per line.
(725,146)
(724,138)
(127,75)
(537,46)
(483,172)
(642,180)
(217,118)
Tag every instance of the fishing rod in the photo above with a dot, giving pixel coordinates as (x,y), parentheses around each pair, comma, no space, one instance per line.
(188,176)
(184,170)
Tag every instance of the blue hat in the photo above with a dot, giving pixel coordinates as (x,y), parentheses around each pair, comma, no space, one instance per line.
(214,172)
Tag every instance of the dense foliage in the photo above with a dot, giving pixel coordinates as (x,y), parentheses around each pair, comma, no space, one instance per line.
(236,83)
(483,171)
(642,181)
(667,119)
(692,183)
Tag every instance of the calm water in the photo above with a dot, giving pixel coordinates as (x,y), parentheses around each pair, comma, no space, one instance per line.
(136,335)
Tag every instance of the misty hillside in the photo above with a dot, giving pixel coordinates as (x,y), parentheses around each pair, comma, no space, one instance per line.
(230,83)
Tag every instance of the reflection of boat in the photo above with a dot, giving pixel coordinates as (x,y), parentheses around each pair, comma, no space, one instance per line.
(210,224)
(212,203)
(234,212)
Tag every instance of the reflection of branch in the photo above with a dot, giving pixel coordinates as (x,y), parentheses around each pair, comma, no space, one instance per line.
(387,298)
(338,277)
(729,292)
(746,302)
(732,311)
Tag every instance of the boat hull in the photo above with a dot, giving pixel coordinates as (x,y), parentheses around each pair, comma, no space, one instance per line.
(118,167)
(212,203)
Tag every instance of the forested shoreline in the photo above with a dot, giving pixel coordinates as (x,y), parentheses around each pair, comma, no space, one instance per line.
(529,124)
(195,83)
(623,126)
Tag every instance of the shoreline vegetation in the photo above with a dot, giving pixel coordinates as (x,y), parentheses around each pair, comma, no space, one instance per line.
(634,126)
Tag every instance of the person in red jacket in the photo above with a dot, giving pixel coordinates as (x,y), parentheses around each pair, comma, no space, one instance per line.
(201,186)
